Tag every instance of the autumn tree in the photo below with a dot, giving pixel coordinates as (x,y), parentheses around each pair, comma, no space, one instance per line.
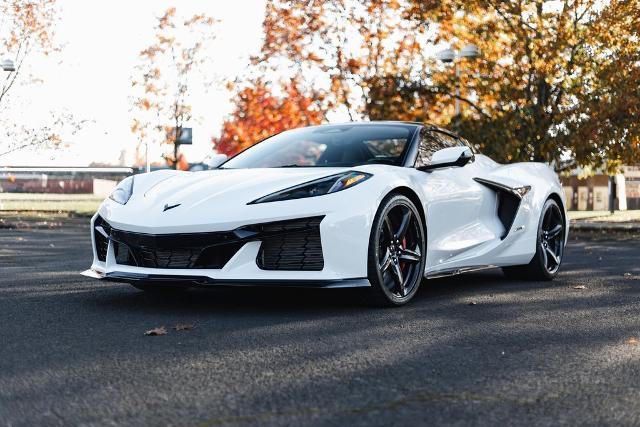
(363,52)
(556,82)
(27,30)
(260,113)
(166,75)
(345,55)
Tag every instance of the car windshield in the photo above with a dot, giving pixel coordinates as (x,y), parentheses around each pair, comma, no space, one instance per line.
(329,145)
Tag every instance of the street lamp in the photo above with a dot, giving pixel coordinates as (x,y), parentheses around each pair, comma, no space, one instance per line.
(449,56)
(8,65)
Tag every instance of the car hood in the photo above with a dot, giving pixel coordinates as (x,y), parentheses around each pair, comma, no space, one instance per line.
(222,186)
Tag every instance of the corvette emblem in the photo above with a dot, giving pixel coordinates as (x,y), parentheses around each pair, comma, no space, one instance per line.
(167,207)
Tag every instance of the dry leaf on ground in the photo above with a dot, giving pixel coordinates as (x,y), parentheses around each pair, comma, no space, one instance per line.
(633,341)
(183,327)
(579,287)
(160,330)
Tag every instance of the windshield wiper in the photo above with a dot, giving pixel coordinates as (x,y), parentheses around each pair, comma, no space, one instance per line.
(289,166)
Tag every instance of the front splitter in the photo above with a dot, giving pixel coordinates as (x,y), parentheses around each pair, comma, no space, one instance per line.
(127,277)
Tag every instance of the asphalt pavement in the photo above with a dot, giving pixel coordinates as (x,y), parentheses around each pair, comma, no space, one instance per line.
(472,350)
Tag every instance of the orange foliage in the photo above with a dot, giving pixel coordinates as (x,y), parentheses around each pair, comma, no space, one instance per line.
(183,164)
(259,114)
(555,81)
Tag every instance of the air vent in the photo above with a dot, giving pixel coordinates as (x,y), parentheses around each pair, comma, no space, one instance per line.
(292,245)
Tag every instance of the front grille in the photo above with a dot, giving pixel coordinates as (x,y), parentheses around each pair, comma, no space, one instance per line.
(286,245)
(195,250)
(292,245)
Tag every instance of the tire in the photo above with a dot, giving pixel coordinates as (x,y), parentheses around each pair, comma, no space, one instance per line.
(160,288)
(549,247)
(397,252)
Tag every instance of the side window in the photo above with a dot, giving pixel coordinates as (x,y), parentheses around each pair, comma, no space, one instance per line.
(431,141)
(473,147)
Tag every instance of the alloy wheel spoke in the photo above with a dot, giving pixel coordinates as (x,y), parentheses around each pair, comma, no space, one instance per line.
(386,261)
(397,277)
(388,229)
(546,219)
(555,231)
(553,256)
(404,224)
(410,256)
(544,255)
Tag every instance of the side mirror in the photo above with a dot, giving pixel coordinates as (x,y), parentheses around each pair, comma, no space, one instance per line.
(217,160)
(448,157)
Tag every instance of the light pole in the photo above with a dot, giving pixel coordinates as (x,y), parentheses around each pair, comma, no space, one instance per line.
(8,65)
(146,157)
(451,56)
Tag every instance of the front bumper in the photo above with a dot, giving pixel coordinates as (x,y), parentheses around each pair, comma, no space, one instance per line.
(344,235)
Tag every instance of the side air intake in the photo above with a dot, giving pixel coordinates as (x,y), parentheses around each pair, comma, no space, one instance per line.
(509,199)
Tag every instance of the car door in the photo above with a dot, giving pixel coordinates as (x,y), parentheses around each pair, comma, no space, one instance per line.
(460,212)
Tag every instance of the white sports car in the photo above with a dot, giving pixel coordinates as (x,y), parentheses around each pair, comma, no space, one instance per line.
(380,205)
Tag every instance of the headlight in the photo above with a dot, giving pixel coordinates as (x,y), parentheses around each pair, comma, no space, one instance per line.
(123,191)
(329,184)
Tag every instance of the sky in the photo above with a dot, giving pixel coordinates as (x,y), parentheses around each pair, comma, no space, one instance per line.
(91,76)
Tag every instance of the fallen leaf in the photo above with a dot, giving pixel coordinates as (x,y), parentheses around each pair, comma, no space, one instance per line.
(472,303)
(633,341)
(160,330)
(579,287)
(183,327)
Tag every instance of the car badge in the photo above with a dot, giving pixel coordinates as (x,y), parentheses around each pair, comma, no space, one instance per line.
(167,207)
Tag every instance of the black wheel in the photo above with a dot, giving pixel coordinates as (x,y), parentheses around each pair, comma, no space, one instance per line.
(160,288)
(397,252)
(549,247)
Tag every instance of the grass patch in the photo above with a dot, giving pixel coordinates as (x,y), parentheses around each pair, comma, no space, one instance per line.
(82,204)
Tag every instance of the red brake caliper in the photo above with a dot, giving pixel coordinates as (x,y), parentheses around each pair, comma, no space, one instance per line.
(404,246)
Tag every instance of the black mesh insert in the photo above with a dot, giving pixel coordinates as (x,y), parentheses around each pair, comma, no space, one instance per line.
(292,245)
(194,250)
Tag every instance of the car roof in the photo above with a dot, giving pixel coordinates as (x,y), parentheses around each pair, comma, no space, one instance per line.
(389,122)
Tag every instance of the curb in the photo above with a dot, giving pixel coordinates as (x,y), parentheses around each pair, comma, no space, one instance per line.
(604,226)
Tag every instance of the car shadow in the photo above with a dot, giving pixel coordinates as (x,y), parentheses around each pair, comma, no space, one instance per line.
(234,299)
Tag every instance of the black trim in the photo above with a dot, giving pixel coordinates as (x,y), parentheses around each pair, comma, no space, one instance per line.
(125,277)
(101,232)
(462,160)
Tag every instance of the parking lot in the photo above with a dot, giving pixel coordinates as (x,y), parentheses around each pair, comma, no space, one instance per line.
(471,350)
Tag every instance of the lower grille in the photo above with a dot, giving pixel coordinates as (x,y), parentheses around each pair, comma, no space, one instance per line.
(102,243)
(294,245)
(196,250)
(286,245)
